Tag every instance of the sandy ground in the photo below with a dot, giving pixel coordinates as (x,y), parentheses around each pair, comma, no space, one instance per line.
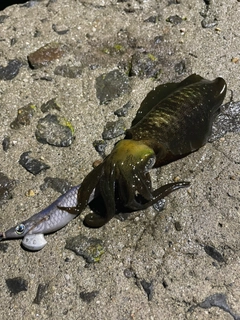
(165,253)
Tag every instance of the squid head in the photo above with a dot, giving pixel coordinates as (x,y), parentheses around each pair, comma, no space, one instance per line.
(123,175)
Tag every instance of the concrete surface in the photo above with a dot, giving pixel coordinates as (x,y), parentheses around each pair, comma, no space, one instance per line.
(145,248)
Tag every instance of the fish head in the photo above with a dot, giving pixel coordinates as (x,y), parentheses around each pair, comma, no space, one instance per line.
(33,242)
(19,231)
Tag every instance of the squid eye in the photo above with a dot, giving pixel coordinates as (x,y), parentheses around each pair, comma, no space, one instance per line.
(20,228)
(150,163)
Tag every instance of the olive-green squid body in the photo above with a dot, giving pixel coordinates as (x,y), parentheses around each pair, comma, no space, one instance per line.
(173,120)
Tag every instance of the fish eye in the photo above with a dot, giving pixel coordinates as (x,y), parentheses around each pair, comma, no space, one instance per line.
(20,228)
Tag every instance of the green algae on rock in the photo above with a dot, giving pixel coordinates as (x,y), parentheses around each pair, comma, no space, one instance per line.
(24,116)
(91,249)
(55,130)
(145,64)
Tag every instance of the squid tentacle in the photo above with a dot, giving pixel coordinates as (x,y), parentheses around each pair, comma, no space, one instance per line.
(164,191)
(89,184)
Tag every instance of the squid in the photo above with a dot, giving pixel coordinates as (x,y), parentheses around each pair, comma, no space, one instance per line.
(174,120)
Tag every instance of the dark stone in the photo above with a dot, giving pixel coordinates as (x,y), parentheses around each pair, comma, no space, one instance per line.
(180,67)
(11,70)
(13,41)
(6,143)
(129,9)
(209,16)
(100,147)
(50,105)
(129,273)
(55,130)
(6,186)
(209,22)
(123,112)
(46,78)
(41,290)
(218,300)
(4,247)
(111,85)
(148,288)
(88,296)
(57,184)
(174,2)
(158,39)
(90,249)
(16,285)
(145,64)
(213,253)
(34,166)
(24,117)
(68,72)
(174,19)
(3,17)
(37,33)
(153,19)
(113,129)
(46,54)
(177,226)
(58,30)
(215,300)
(227,121)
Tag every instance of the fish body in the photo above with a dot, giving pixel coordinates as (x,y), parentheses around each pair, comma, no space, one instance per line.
(46,221)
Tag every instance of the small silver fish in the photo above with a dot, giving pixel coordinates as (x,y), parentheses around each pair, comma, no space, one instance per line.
(46,221)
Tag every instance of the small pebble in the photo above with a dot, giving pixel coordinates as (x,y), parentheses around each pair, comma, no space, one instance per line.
(6,144)
(114,129)
(16,285)
(11,70)
(32,165)
(90,249)
(55,130)
(46,54)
